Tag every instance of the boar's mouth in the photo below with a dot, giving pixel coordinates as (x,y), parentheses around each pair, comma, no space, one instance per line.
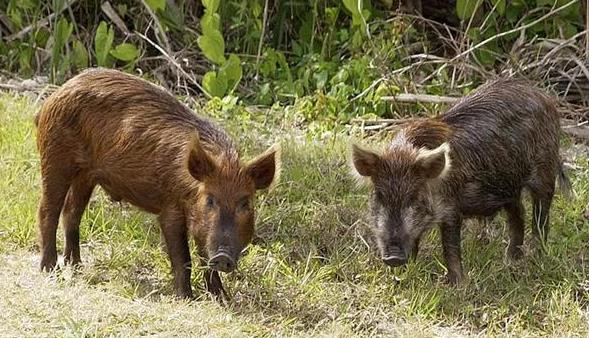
(395,256)
(222,261)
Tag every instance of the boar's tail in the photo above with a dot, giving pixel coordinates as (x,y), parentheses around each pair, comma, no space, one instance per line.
(37,120)
(564,183)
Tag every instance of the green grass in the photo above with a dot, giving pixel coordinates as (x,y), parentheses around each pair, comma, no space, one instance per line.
(311,271)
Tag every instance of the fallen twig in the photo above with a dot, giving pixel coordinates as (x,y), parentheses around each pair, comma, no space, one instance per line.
(28,87)
(420,98)
(572,128)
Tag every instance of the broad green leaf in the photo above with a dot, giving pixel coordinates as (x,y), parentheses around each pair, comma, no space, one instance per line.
(331,14)
(156,4)
(542,3)
(232,71)
(61,34)
(103,43)
(125,52)
(211,5)
(63,67)
(25,58)
(256,9)
(485,57)
(16,17)
(80,55)
(513,12)
(366,13)
(172,17)
(27,4)
(213,46)
(572,12)
(474,34)
(42,36)
(57,5)
(465,9)
(500,6)
(354,6)
(122,9)
(214,85)
(210,22)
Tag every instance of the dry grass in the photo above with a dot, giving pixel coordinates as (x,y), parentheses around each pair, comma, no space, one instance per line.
(310,272)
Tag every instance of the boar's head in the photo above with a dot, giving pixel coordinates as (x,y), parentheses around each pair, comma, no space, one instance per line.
(404,202)
(224,211)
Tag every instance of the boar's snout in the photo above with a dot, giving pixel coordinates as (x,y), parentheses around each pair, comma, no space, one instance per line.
(395,257)
(222,262)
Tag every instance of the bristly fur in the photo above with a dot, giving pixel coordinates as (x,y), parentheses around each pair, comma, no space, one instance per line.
(497,141)
(141,145)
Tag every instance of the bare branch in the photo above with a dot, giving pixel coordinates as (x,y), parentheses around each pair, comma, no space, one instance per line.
(160,33)
(114,17)
(175,64)
(526,26)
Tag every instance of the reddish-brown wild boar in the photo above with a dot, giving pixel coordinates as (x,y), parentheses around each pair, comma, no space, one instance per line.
(472,161)
(142,146)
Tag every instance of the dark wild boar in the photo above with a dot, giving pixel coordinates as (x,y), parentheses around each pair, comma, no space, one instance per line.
(472,161)
(142,146)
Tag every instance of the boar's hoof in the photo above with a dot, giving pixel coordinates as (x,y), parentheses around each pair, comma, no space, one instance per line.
(454,279)
(48,263)
(222,262)
(395,261)
(515,253)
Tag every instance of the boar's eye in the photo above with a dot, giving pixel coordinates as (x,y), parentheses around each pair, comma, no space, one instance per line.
(210,201)
(378,195)
(244,205)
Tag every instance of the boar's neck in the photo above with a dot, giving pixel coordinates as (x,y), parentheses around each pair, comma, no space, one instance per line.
(215,141)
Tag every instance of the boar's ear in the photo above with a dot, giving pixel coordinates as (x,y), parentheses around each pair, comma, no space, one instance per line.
(434,163)
(200,164)
(364,161)
(265,169)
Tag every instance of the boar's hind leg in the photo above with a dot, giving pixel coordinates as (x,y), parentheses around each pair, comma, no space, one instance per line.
(542,192)
(515,219)
(75,202)
(55,184)
(173,224)
(451,246)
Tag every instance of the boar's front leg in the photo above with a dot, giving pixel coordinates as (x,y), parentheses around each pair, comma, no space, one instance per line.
(213,283)
(212,280)
(451,246)
(173,224)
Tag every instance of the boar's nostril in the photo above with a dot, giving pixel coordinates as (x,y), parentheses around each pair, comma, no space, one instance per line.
(395,260)
(396,257)
(222,262)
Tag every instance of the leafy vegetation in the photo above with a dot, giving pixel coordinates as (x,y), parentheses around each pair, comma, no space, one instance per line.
(339,56)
